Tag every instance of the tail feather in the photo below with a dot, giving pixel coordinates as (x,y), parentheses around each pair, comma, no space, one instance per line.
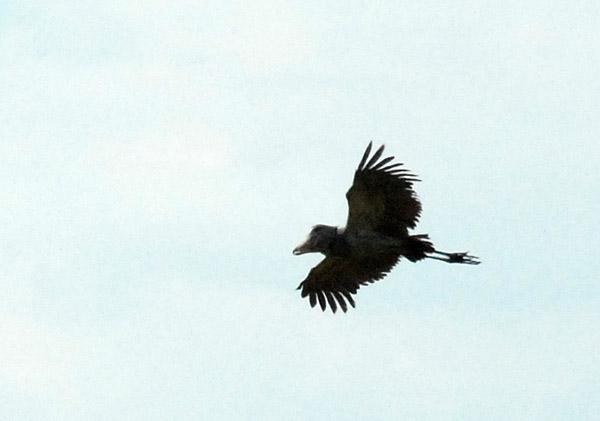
(417,247)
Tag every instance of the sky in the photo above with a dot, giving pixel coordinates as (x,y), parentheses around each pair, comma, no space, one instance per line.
(159,160)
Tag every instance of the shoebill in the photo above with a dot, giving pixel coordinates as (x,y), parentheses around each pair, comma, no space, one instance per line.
(382,207)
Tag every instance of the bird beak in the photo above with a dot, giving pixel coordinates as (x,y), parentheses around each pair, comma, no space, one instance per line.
(301,249)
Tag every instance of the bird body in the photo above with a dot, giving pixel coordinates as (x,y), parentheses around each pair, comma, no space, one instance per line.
(382,208)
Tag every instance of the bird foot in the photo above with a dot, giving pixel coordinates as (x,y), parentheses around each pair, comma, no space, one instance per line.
(464,258)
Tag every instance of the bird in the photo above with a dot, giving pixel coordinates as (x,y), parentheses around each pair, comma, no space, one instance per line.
(382,208)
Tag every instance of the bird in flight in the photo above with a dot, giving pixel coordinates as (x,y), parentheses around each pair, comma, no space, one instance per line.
(382,207)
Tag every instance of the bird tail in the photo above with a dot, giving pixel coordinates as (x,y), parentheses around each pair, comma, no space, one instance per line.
(417,247)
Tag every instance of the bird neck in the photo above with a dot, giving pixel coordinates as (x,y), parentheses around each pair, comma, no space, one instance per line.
(338,245)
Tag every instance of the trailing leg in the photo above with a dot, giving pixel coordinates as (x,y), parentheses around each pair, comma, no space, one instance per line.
(463,258)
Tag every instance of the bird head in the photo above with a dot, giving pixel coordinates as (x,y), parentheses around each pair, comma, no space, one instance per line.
(319,240)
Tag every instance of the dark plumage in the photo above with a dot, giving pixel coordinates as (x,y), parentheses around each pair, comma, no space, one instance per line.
(382,206)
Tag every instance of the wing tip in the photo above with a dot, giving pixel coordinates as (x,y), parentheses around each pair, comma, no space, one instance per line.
(335,300)
(374,158)
(365,155)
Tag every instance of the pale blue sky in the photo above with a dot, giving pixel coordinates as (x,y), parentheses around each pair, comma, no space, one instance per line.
(159,160)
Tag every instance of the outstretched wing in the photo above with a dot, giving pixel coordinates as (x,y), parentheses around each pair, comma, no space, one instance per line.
(381,198)
(335,279)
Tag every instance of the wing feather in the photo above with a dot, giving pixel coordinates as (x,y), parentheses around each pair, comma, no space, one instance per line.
(382,163)
(337,278)
(381,198)
(331,301)
(340,300)
(348,297)
(321,298)
(365,155)
(375,157)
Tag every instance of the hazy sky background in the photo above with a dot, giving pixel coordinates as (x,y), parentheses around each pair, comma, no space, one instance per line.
(159,160)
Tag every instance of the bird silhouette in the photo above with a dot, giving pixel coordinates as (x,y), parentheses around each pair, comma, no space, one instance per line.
(382,207)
